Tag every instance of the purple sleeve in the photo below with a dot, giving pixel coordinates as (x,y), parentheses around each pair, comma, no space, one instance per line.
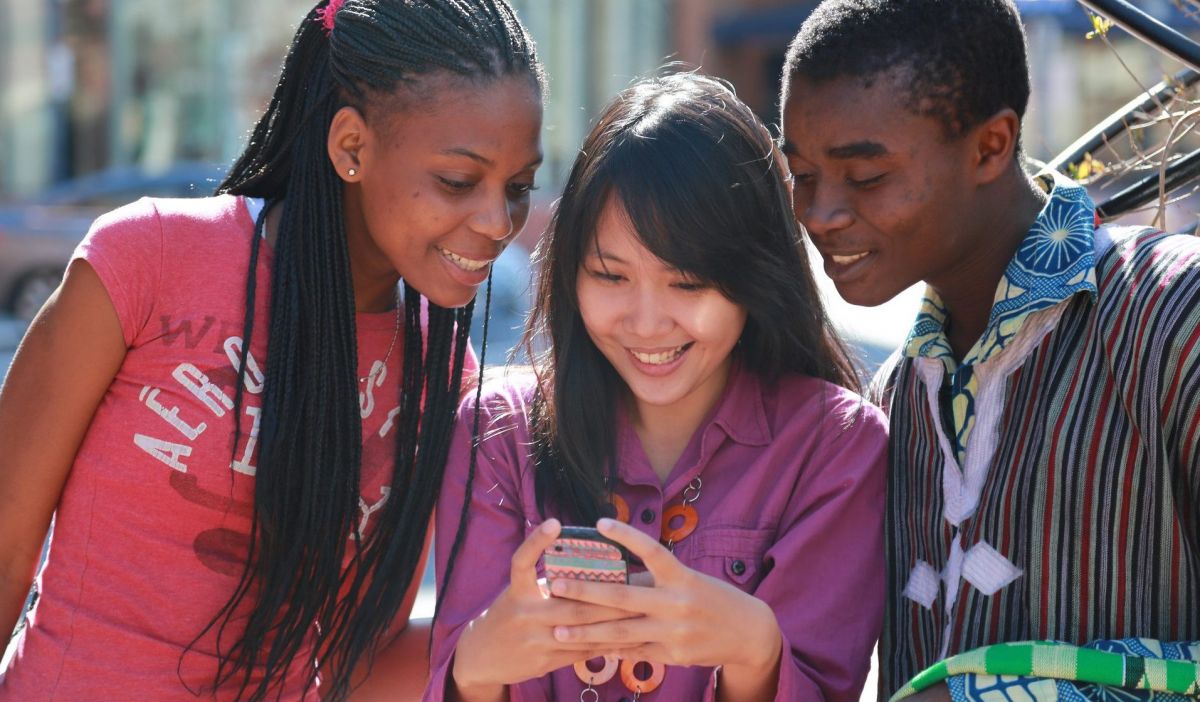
(826,583)
(496,526)
(125,248)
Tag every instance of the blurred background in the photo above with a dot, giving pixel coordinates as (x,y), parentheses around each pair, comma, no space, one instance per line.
(103,101)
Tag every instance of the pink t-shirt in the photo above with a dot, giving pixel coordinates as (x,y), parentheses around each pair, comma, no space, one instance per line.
(151,531)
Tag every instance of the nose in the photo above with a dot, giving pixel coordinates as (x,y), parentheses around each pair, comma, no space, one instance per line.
(646,314)
(495,217)
(825,212)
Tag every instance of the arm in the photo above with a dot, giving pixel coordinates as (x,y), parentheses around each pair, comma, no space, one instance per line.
(494,626)
(46,405)
(827,579)
(399,670)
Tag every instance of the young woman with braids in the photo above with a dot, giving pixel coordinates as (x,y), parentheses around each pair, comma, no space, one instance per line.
(237,409)
(693,388)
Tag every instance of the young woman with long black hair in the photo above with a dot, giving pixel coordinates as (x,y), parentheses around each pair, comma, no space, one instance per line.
(692,387)
(237,409)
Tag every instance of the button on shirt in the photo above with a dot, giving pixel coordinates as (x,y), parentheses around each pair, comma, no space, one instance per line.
(790,511)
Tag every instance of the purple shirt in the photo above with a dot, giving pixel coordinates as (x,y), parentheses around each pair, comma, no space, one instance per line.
(790,511)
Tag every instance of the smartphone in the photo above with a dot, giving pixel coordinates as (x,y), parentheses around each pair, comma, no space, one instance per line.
(582,553)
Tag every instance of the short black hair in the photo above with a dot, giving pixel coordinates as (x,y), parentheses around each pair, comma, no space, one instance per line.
(964,60)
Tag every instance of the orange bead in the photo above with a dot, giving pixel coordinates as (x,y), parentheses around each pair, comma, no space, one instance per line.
(622,508)
(633,683)
(588,677)
(673,535)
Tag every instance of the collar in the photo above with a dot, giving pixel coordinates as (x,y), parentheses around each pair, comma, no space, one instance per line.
(1054,262)
(740,413)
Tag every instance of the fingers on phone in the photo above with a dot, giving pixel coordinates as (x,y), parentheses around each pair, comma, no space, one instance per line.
(653,555)
(525,558)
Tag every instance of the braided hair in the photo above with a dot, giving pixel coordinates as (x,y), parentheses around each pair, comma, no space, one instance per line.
(310,437)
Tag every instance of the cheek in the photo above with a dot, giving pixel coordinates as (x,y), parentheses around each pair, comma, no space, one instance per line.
(595,308)
(519,214)
(717,321)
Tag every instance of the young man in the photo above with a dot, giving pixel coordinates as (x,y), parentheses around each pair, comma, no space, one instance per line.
(1045,410)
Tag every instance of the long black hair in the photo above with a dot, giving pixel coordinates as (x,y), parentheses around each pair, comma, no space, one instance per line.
(310,439)
(707,192)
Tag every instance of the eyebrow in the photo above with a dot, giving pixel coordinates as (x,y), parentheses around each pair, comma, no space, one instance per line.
(857,149)
(474,156)
(604,255)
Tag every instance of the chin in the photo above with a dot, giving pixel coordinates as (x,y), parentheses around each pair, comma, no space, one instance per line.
(863,296)
(449,298)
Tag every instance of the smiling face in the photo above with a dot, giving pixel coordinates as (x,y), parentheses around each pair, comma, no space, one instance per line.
(667,335)
(442,187)
(884,194)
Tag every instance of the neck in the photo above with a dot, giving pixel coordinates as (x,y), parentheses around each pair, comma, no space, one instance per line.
(1001,223)
(374,279)
(666,430)
(372,275)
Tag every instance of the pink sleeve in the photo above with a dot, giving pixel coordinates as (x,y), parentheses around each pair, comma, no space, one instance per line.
(496,526)
(125,247)
(826,583)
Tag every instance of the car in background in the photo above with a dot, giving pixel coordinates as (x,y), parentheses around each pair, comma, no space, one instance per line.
(38,235)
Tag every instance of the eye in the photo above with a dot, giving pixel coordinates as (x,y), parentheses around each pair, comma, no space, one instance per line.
(604,276)
(521,189)
(863,183)
(457,186)
(691,285)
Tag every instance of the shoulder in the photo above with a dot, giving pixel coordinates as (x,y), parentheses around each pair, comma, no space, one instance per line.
(504,402)
(1141,260)
(1149,281)
(166,219)
(802,401)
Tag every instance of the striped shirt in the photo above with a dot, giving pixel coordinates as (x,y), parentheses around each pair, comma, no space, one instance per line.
(1066,506)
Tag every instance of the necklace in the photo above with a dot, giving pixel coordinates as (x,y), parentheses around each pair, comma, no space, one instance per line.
(642,677)
(392,345)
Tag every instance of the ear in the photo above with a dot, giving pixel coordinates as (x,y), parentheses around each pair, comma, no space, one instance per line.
(349,137)
(995,144)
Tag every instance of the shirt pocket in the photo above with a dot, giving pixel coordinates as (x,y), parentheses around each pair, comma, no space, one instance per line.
(733,554)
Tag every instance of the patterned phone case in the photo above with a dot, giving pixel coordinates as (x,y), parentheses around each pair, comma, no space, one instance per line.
(584,559)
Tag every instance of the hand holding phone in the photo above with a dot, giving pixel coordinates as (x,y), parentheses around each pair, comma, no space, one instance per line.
(582,553)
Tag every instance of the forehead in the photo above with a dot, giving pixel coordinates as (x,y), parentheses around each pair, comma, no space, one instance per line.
(504,113)
(821,119)
(616,239)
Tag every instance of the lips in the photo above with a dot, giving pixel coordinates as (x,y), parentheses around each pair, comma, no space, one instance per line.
(844,266)
(659,358)
(847,259)
(470,265)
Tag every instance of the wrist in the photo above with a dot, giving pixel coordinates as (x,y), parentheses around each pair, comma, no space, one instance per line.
(765,642)
(464,687)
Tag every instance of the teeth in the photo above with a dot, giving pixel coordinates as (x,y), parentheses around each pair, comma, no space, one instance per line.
(844,260)
(658,359)
(464,263)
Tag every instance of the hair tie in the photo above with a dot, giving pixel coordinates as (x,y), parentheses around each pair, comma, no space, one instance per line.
(328,13)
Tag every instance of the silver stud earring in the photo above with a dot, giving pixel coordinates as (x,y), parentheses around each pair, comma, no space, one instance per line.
(352,172)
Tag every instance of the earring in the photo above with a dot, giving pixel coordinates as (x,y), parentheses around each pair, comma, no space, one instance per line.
(352,172)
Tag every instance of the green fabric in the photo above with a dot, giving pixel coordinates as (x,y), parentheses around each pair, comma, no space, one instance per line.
(1059,661)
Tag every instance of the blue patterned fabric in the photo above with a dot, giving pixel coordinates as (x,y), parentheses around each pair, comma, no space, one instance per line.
(1054,262)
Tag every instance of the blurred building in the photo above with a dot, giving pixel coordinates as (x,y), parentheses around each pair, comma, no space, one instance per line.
(87,85)
(92,84)
(1077,81)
